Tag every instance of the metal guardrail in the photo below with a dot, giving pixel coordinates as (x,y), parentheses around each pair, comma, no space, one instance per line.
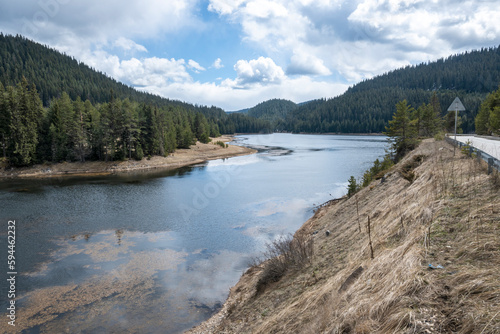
(492,161)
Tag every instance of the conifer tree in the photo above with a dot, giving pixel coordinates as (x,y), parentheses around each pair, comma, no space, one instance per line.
(482,120)
(95,132)
(130,125)
(4,121)
(436,108)
(62,128)
(401,132)
(431,122)
(79,129)
(492,103)
(25,114)
(352,187)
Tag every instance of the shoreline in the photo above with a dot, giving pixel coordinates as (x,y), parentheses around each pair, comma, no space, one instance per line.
(344,287)
(196,154)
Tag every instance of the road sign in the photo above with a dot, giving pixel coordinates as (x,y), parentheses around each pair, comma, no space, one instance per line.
(456,105)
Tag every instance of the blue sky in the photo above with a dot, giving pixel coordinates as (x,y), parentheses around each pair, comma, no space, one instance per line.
(235,54)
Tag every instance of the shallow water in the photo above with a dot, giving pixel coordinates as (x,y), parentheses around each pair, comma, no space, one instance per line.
(158,251)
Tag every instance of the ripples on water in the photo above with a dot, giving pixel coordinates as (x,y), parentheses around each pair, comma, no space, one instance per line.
(158,251)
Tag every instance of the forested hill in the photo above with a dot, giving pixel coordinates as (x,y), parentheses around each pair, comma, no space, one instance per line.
(367,106)
(272,110)
(54,108)
(474,71)
(53,73)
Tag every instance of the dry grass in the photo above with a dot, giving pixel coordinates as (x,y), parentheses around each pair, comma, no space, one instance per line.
(447,214)
(284,254)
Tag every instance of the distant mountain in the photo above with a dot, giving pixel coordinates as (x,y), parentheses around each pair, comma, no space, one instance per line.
(305,102)
(363,108)
(273,110)
(242,111)
(367,106)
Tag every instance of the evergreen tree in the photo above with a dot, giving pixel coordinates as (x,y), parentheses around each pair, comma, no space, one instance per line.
(95,132)
(79,130)
(25,114)
(62,128)
(417,117)
(185,136)
(4,120)
(401,132)
(131,130)
(352,187)
(437,118)
(482,120)
(201,128)
(493,103)
(431,122)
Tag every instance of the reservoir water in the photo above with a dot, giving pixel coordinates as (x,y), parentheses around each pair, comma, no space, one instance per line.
(156,252)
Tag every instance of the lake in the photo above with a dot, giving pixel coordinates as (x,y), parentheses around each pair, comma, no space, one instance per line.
(156,252)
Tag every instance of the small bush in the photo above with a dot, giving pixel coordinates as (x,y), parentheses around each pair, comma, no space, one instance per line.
(378,170)
(283,254)
(221,144)
(466,148)
(439,136)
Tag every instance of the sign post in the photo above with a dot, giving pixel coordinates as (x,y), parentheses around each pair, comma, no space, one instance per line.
(456,106)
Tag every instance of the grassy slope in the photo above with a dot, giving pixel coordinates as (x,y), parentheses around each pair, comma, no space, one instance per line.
(450,197)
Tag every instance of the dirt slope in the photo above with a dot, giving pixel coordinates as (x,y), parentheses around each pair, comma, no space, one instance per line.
(433,208)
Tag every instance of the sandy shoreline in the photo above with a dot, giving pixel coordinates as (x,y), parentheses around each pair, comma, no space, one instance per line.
(183,157)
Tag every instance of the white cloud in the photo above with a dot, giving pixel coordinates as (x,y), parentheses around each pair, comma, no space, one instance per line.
(229,97)
(224,7)
(195,66)
(261,79)
(146,72)
(217,64)
(129,45)
(353,39)
(307,64)
(96,21)
(381,33)
(261,71)
(265,9)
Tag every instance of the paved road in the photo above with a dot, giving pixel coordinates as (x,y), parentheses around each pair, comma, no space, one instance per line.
(492,147)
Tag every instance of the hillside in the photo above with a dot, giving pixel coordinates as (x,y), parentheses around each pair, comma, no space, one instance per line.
(367,106)
(433,208)
(273,110)
(53,73)
(54,108)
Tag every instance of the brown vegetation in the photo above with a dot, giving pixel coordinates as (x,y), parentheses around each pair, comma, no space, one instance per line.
(433,209)
(282,255)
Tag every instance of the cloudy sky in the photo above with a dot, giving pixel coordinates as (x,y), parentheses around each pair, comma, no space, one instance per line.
(236,53)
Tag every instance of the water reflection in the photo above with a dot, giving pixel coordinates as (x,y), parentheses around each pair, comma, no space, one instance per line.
(115,253)
(117,277)
(139,177)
